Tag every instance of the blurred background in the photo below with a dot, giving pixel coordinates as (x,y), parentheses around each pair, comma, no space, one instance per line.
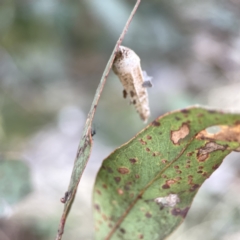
(52,56)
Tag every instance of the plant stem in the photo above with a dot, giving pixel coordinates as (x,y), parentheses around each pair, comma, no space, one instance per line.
(85,146)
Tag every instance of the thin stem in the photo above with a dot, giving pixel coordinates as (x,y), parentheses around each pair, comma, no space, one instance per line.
(85,145)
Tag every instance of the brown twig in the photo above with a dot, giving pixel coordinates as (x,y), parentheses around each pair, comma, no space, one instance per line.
(85,145)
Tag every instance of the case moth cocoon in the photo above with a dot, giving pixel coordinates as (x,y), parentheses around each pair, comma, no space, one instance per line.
(127,67)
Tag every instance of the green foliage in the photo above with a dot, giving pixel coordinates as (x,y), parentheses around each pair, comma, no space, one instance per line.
(19,122)
(145,188)
(15,182)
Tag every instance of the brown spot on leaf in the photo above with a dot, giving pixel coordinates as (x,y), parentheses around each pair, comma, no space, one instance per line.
(157,153)
(123,170)
(203,153)
(171,181)
(199,171)
(134,102)
(156,124)
(185,111)
(133,160)
(137,176)
(104,186)
(188,166)
(205,174)
(120,191)
(215,166)
(226,133)
(194,187)
(180,212)
(176,167)
(122,230)
(165,186)
(148,149)
(142,141)
(177,118)
(179,134)
(98,192)
(168,183)
(211,147)
(148,215)
(149,137)
(189,154)
(164,161)
(202,157)
(141,236)
(97,207)
(117,179)
(178,171)
(190,179)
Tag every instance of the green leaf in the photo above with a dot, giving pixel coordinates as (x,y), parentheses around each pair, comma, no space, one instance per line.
(14,182)
(145,188)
